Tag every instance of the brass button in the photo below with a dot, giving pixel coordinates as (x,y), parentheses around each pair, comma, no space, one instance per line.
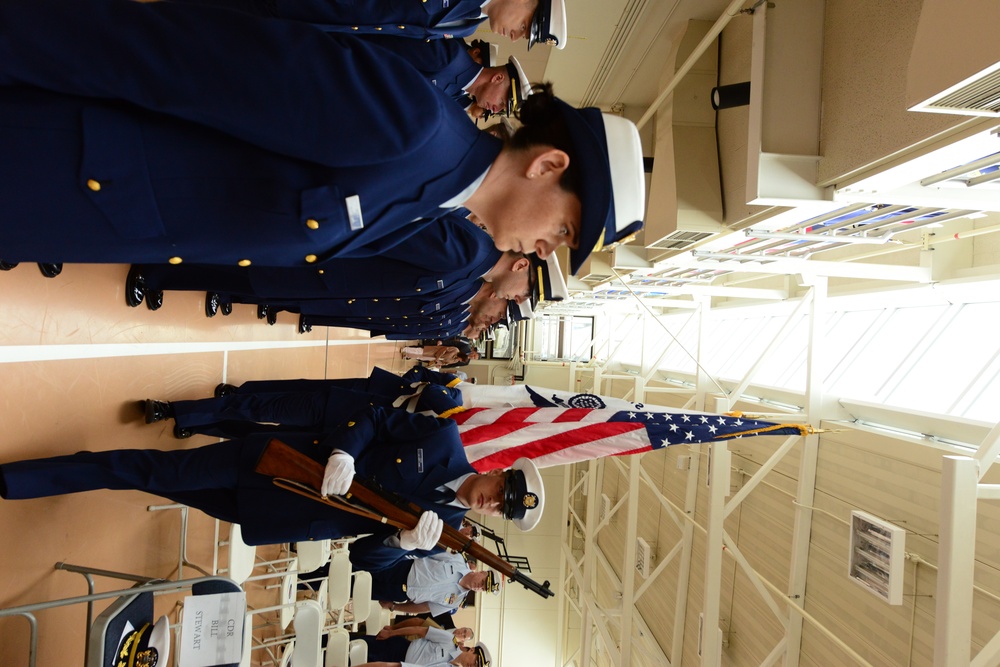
(399,460)
(398,299)
(310,258)
(320,272)
(315,442)
(354,27)
(350,424)
(244,262)
(312,224)
(175,260)
(93,185)
(378,27)
(374,299)
(418,289)
(351,300)
(401,27)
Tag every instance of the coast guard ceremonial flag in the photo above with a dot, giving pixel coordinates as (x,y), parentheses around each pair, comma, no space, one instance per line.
(496,437)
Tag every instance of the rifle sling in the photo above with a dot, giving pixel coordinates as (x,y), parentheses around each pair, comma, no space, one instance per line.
(337,502)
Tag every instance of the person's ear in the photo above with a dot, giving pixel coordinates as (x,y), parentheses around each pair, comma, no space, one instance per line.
(521,264)
(549,162)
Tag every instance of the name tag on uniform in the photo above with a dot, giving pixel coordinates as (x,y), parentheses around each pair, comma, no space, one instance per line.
(437,306)
(440,284)
(354,212)
(446,3)
(420,460)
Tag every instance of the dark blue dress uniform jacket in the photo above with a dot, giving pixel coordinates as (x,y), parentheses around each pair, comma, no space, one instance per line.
(445,62)
(302,156)
(310,406)
(418,19)
(411,455)
(436,308)
(446,254)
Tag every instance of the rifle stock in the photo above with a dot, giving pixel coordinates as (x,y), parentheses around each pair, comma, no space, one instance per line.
(283,462)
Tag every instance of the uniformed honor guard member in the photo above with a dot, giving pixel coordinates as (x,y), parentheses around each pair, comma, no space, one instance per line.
(478,308)
(299,163)
(482,310)
(293,405)
(538,21)
(448,64)
(419,458)
(442,257)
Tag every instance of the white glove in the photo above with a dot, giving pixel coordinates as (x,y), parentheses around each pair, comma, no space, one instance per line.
(424,535)
(338,475)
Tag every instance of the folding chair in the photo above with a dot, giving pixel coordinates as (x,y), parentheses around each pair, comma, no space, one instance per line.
(358,650)
(133,605)
(337,648)
(313,554)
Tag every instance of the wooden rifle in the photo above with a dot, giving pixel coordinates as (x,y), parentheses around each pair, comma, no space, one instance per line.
(294,471)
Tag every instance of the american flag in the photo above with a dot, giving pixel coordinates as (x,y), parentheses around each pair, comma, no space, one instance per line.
(496,437)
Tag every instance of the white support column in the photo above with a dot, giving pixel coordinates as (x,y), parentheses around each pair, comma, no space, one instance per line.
(806,491)
(593,618)
(565,537)
(628,566)
(702,382)
(684,571)
(588,576)
(956,561)
(719,460)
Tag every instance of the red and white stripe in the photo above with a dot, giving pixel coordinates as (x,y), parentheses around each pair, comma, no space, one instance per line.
(496,437)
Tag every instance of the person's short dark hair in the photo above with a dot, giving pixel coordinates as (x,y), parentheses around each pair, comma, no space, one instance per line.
(543,125)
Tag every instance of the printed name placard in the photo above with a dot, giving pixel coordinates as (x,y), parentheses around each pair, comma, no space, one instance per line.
(212,631)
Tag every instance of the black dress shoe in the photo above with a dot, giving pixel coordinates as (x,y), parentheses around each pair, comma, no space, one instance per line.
(261,311)
(212,302)
(304,327)
(7,266)
(223,389)
(182,433)
(226,308)
(50,270)
(158,411)
(272,317)
(135,287)
(154,299)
